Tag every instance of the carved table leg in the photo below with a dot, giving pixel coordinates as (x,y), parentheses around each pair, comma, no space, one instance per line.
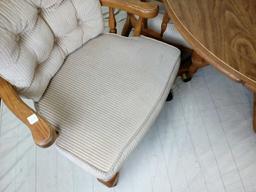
(197,63)
(254,112)
(112,182)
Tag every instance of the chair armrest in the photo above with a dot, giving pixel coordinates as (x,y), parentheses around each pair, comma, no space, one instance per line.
(43,133)
(136,7)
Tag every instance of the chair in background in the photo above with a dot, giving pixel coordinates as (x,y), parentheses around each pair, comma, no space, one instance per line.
(102,92)
(162,29)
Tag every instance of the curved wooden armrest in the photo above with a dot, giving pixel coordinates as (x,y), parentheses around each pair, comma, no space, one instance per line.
(43,133)
(136,7)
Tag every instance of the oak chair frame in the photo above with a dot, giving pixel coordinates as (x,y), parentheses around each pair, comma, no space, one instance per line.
(131,22)
(43,133)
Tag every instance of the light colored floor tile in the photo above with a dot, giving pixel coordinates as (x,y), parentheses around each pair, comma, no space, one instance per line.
(65,179)
(46,169)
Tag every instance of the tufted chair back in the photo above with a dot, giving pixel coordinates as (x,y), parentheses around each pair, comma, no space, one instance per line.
(37,35)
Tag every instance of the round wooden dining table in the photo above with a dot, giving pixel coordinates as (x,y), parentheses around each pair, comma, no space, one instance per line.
(223,32)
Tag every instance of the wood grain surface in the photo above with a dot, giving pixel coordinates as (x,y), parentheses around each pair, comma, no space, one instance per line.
(44,134)
(135,7)
(222,31)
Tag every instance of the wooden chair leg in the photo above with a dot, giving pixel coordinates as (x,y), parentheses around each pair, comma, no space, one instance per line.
(139,26)
(127,26)
(112,182)
(254,112)
(164,24)
(112,21)
(197,63)
(170,96)
(184,65)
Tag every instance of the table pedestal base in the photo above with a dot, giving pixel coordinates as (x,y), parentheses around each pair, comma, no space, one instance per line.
(197,63)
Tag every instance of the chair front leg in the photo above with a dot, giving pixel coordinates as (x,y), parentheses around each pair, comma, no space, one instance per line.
(112,182)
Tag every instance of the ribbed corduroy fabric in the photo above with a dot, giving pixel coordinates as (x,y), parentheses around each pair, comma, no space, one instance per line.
(106,96)
(37,35)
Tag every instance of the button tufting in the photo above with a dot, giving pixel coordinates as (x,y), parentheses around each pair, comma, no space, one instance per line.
(56,40)
(17,38)
(79,22)
(39,11)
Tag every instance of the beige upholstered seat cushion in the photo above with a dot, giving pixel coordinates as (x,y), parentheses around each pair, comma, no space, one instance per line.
(106,96)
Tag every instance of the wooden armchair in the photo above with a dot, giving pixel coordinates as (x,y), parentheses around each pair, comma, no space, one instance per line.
(162,29)
(100,91)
